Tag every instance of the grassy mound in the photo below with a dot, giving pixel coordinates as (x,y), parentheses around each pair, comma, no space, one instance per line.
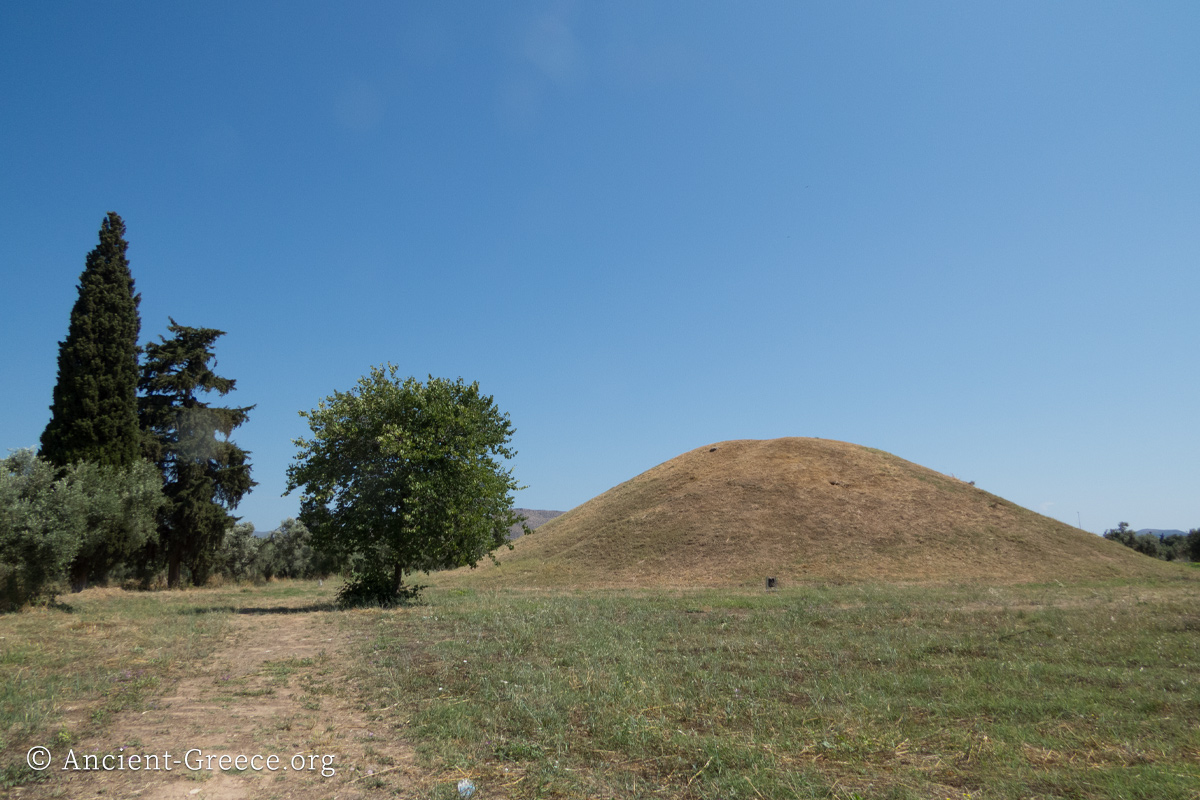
(734,513)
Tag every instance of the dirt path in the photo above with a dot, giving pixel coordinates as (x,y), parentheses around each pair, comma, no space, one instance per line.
(277,686)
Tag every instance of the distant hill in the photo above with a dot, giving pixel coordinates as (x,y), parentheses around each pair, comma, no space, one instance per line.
(800,510)
(534,518)
(1163,531)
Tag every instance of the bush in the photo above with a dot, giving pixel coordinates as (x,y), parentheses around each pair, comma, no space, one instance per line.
(240,553)
(1147,544)
(376,588)
(1175,547)
(119,507)
(290,553)
(42,521)
(1122,534)
(285,553)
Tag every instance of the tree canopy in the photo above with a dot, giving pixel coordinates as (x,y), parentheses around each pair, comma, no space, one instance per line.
(42,517)
(49,515)
(402,476)
(94,414)
(93,426)
(204,475)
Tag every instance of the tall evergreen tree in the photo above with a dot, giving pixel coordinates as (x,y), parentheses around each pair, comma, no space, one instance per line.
(93,425)
(94,416)
(204,475)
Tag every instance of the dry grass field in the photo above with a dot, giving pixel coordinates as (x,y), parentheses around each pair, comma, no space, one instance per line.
(854,692)
(861,691)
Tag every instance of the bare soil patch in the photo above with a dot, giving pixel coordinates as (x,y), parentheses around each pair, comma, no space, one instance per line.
(276,686)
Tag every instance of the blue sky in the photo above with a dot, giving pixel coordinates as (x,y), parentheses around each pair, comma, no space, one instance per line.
(964,233)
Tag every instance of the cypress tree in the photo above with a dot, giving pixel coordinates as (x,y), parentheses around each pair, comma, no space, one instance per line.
(205,475)
(93,429)
(94,415)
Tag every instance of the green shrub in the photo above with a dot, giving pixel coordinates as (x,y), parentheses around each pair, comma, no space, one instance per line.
(285,553)
(42,519)
(119,516)
(373,587)
(240,553)
(292,554)
(1175,547)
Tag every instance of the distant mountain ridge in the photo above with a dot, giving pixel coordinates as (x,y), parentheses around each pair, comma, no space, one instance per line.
(533,518)
(1163,531)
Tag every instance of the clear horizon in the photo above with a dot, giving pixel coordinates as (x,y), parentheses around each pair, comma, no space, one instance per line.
(963,234)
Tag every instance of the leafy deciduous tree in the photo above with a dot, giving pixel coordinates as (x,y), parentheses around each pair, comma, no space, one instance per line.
(404,476)
(205,475)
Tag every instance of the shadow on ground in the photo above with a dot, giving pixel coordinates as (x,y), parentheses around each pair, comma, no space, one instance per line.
(259,610)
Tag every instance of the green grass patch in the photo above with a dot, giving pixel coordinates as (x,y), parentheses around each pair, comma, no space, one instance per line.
(902,692)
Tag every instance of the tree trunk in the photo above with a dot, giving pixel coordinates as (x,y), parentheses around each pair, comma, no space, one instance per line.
(79,574)
(398,581)
(199,567)
(173,564)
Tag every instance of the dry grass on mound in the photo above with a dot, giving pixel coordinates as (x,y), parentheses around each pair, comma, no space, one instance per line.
(732,513)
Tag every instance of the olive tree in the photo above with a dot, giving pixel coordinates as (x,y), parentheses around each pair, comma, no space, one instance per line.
(120,506)
(288,553)
(401,476)
(49,515)
(42,518)
(240,552)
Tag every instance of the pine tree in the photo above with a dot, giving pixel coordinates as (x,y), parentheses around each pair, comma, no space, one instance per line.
(205,475)
(94,415)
